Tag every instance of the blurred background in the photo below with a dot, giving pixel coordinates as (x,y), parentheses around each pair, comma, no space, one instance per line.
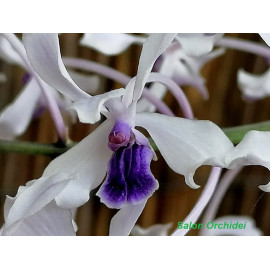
(173,200)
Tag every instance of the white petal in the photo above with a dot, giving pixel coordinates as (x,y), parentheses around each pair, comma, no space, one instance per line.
(186,144)
(110,44)
(33,198)
(252,85)
(265,37)
(153,47)
(51,220)
(15,118)
(252,150)
(198,44)
(124,220)
(89,160)
(89,110)
(44,55)
(250,229)
(8,53)
(88,83)
(265,188)
(155,230)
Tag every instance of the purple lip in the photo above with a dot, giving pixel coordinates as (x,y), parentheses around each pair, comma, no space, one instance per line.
(129,179)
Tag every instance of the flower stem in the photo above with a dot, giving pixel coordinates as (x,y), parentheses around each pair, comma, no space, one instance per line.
(221,190)
(235,134)
(202,202)
(244,45)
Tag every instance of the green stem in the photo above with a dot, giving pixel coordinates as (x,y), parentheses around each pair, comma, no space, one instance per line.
(235,134)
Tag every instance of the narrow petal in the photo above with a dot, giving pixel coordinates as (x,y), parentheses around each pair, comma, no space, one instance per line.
(8,53)
(153,47)
(16,117)
(252,150)
(89,109)
(33,198)
(198,44)
(155,230)
(89,160)
(43,52)
(110,44)
(124,220)
(186,144)
(249,230)
(51,220)
(88,83)
(265,37)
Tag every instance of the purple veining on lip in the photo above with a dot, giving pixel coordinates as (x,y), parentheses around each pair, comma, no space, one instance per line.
(119,136)
(129,179)
(26,77)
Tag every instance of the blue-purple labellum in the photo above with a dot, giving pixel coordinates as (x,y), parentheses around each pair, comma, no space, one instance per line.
(129,178)
(119,136)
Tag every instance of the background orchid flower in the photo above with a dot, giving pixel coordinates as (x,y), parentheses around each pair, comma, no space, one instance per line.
(154,230)
(108,43)
(33,211)
(117,142)
(184,70)
(254,86)
(31,101)
(250,230)
(198,44)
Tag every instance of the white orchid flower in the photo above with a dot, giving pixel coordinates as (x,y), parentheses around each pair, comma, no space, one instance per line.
(31,101)
(249,230)
(34,211)
(154,230)
(254,86)
(116,143)
(198,44)
(184,70)
(109,43)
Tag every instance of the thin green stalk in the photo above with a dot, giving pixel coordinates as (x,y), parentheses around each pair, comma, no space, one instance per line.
(235,134)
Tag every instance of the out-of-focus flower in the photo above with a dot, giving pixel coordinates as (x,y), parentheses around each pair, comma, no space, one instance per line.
(249,230)
(110,44)
(155,230)
(254,86)
(34,210)
(31,101)
(184,70)
(198,44)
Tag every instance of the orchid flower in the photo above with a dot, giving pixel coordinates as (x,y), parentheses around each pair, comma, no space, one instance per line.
(154,230)
(33,211)
(184,70)
(254,86)
(110,44)
(32,101)
(198,44)
(116,143)
(250,230)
